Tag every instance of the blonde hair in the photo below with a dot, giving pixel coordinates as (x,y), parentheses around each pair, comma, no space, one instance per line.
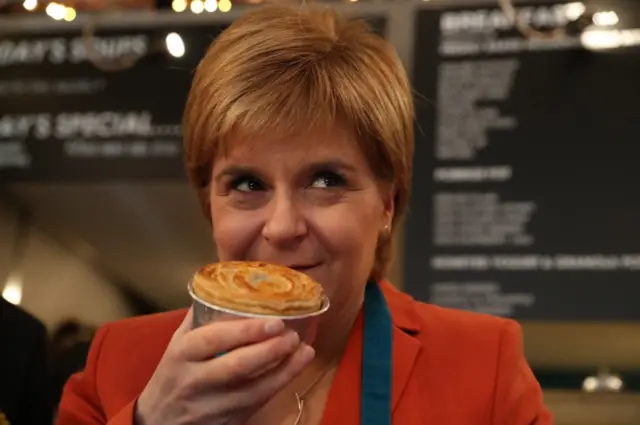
(287,69)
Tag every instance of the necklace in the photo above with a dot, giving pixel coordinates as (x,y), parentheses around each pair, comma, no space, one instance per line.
(300,396)
(377,354)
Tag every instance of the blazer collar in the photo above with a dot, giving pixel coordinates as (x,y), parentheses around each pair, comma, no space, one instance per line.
(402,308)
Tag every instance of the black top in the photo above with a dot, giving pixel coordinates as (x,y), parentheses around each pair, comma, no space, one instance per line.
(24,369)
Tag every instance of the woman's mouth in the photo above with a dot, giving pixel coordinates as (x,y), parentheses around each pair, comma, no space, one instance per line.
(302,268)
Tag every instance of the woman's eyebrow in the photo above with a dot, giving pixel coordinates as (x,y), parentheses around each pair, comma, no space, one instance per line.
(236,170)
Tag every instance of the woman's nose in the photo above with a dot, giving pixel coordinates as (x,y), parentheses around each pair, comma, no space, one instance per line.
(285,225)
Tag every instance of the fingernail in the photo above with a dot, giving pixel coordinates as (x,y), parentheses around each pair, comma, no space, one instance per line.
(274,327)
(293,338)
(307,354)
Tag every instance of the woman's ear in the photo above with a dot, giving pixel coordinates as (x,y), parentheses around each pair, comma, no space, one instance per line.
(389,206)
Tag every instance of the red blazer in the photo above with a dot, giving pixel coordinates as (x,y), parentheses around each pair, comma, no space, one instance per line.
(449,368)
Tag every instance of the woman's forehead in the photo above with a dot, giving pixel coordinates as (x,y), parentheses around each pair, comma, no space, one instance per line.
(334,149)
(308,143)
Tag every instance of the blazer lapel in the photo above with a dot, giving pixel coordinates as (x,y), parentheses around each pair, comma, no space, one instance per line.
(405,353)
(406,347)
(343,403)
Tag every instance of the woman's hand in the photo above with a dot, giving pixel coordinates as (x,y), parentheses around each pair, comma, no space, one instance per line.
(192,386)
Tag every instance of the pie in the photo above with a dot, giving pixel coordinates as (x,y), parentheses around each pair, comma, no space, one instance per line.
(258,288)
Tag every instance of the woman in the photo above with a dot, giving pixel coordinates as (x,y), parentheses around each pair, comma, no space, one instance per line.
(299,140)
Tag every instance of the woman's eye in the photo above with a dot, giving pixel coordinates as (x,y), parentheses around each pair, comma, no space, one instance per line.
(245,184)
(327,180)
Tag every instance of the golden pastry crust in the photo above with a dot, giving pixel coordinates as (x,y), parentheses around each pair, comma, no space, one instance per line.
(259,288)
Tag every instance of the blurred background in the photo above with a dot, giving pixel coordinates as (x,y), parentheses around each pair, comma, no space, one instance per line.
(524,204)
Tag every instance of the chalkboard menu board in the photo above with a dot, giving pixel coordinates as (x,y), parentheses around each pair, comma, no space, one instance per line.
(526,199)
(63,119)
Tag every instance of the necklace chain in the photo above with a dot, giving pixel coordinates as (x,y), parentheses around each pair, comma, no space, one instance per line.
(300,396)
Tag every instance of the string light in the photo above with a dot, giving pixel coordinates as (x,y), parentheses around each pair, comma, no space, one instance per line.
(224,5)
(197,6)
(200,6)
(179,5)
(210,5)
(70,14)
(56,11)
(30,5)
(606,18)
(175,45)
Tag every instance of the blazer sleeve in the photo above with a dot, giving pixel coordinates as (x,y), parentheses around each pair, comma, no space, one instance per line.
(518,395)
(80,403)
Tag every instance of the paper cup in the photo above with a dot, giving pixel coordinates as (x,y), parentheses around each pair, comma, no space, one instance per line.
(305,325)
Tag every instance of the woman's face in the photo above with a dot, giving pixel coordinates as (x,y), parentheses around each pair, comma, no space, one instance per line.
(312,204)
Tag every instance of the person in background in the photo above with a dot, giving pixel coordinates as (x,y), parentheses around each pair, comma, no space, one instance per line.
(70,343)
(24,368)
(299,139)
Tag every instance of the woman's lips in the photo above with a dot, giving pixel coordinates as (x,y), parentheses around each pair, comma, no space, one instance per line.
(303,269)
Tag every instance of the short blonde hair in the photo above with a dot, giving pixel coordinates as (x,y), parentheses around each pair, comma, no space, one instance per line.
(283,69)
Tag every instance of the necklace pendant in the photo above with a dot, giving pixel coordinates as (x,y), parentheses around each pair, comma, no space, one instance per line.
(300,402)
